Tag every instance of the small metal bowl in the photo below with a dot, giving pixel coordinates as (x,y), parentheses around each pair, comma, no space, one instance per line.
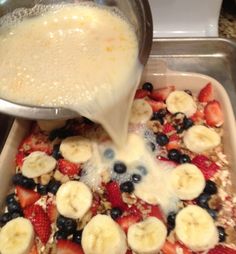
(137,12)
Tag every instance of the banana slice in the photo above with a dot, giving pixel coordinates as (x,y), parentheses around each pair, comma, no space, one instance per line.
(49,125)
(76,149)
(103,236)
(73,199)
(148,236)
(179,101)
(17,237)
(141,112)
(187,181)
(200,138)
(196,228)
(37,164)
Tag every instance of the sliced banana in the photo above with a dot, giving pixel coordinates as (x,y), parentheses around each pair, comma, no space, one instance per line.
(103,236)
(17,237)
(37,164)
(180,101)
(49,125)
(200,138)
(76,149)
(187,181)
(196,229)
(148,236)
(73,199)
(141,112)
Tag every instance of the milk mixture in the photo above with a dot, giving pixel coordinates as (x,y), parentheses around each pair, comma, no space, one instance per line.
(81,57)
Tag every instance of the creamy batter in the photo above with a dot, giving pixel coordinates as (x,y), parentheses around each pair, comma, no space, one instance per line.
(81,57)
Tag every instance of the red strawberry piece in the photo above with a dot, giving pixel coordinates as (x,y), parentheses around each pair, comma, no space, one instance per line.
(198,116)
(156,212)
(114,195)
(162,93)
(171,163)
(26,197)
(141,93)
(68,247)
(68,168)
(167,128)
(126,221)
(219,249)
(213,114)
(36,142)
(129,252)
(173,145)
(156,105)
(206,94)
(40,221)
(174,248)
(33,250)
(51,210)
(174,137)
(208,167)
(19,159)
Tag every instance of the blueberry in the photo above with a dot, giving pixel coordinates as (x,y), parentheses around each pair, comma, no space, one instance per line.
(179,128)
(187,123)
(156,116)
(210,187)
(19,179)
(119,167)
(127,186)
(136,178)
(10,198)
(171,220)
(116,212)
(147,86)
(213,213)
(174,155)
(77,236)
(66,224)
(56,152)
(109,154)
(142,170)
(162,139)
(162,112)
(184,158)
(42,189)
(53,186)
(222,234)
(4,218)
(60,133)
(60,234)
(16,214)
(203,199)
(14,207)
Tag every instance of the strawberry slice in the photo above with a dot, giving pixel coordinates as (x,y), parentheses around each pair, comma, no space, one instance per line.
(213,114)
(68,247)
(126,221)
(36,142)
(156,212)
(162,93)
(198,116)
(68,168)
(114,195)
(141,93)
(167,128)
(156,105)
(219,249)
(208,167)
(174,248)
(206,94)
(95,204)
(33,250)
(51,210)
(40,221)
(26,197)
(19,159)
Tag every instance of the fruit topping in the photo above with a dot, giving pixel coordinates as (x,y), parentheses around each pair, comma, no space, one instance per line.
(162,93)
(162,139)
(26,197)
(213,114)
(119,167)
(206,93)
(147,86)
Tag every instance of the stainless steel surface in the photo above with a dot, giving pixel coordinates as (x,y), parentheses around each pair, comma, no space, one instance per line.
(215,57)
(137,12)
